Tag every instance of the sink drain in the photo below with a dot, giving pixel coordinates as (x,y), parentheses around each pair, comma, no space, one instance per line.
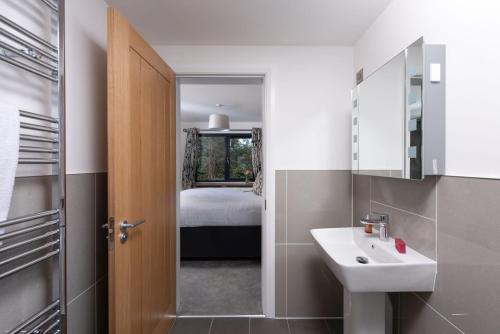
(362,259)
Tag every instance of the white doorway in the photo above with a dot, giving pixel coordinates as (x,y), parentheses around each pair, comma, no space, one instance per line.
(235,274)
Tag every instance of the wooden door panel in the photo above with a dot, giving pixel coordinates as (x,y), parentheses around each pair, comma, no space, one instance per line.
(141,145)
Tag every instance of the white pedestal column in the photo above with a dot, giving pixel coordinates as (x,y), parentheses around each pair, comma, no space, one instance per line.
(365,313)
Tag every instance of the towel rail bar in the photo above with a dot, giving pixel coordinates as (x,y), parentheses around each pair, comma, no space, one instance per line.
(37,127)
(28,229)
(38,139)
(29,264)
(26,218)
(27,33)
(51,5)
(33,318)
(27,67)
(27,56)
(36,161)
(28,45)
(29,252)
(52,326)
(28,241)
(34,149)
(43,323)
(39,117)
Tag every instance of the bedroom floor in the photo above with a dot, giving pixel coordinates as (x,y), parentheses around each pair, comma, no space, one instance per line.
(220,287)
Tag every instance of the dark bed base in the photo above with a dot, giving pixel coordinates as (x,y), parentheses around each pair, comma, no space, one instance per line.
(220,242)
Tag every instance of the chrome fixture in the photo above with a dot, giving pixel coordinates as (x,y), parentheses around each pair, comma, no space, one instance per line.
(124,226)
(378,219)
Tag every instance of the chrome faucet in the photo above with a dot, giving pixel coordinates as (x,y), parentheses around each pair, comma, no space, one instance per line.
(381,220)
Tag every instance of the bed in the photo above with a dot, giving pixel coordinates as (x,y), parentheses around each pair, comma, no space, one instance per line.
(220,223)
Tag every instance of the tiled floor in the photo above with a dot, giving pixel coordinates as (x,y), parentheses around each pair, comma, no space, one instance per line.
(255,326)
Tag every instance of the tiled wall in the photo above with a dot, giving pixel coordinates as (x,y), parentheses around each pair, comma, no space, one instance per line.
(86,211)
(456,221)
(305,287)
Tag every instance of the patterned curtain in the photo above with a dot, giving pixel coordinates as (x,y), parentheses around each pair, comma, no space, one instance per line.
(257,160)
(191,157)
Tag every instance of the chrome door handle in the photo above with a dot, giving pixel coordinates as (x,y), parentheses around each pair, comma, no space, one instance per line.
(124,226)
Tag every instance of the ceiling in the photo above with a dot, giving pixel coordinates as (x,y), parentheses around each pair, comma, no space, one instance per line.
(242,102)
(251,22)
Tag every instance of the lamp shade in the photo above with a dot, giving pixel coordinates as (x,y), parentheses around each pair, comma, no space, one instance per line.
(218,122)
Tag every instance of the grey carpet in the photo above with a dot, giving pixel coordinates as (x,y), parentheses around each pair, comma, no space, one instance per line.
(220,287)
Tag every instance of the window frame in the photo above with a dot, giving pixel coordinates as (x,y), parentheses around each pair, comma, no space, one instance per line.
(227,156)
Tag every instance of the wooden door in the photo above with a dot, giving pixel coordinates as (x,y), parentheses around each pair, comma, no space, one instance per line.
(141,171)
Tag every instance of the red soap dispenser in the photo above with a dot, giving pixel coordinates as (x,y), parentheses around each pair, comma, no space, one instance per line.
(400,245)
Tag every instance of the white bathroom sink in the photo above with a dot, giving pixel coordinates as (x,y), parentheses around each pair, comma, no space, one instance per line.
(386,271)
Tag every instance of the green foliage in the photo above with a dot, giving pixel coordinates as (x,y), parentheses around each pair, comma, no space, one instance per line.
(212,162)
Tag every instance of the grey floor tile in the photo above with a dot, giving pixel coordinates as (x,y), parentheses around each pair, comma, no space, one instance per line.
(268,326)
(308,326)
(230,326)
(191,326)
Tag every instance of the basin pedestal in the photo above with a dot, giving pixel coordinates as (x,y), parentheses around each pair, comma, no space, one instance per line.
(367,313)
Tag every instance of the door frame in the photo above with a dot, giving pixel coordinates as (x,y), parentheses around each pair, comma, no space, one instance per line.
(268,231)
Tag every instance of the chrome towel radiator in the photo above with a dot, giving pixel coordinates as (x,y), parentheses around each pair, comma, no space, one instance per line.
(38,237)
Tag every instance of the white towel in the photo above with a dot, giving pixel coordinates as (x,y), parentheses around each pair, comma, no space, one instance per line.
(9,154)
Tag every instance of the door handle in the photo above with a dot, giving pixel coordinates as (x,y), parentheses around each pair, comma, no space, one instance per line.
(124,226)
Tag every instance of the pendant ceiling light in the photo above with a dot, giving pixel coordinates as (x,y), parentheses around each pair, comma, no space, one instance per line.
(218,122)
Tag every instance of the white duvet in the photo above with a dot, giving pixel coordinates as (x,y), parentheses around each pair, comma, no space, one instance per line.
(220,207)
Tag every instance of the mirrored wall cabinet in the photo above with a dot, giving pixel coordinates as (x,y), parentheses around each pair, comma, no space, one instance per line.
(398,116)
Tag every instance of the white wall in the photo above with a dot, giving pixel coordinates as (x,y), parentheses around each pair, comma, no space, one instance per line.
(85,86)
(309,96)
(470,30)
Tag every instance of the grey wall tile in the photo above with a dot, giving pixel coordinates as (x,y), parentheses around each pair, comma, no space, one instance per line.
(80,233)
(81,313)
(280,206)
(417,318)
(419,233)
(101,216)
(308,326)
(313,290)
(361,197)
(468,288)
(317,199)
(268,326)
(280,280)
(414,196)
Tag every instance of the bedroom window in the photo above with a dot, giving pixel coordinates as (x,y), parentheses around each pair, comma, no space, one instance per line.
(225,158)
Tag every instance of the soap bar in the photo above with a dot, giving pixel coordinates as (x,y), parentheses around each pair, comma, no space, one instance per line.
(400,245)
